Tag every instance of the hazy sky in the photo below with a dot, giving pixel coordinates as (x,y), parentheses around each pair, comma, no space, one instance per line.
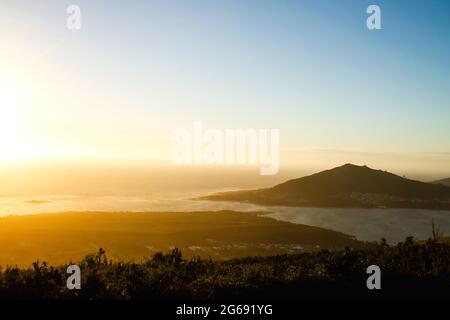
(137,70)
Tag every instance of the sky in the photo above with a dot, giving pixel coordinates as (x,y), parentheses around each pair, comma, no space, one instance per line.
(137,70)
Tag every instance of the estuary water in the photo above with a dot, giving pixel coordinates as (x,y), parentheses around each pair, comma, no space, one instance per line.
(365,224)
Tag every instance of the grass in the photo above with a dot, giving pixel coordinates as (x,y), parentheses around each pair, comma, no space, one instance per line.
(58,238)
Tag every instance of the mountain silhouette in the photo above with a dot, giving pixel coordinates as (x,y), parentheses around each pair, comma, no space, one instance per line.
(347,186)
(445,182)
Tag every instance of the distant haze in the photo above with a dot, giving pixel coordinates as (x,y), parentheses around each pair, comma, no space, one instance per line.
(63,179)
(129,180)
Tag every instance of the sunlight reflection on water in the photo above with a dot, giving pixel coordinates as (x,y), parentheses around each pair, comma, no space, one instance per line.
(365,224)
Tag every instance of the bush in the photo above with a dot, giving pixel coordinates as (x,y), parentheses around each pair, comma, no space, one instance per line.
(409,269)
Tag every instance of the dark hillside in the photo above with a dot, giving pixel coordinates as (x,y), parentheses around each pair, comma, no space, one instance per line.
(348,186)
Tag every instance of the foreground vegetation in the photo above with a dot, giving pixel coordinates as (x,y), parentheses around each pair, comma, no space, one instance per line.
(409,269)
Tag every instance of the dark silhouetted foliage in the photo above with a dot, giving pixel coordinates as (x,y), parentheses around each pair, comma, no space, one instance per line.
(409,269)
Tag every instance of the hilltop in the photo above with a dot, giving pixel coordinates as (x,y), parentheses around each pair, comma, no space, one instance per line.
(445,182)
(347,186)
